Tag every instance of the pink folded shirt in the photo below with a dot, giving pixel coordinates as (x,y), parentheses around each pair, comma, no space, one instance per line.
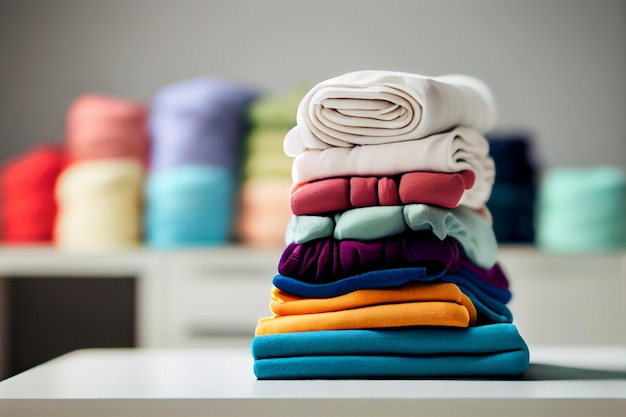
(343,193)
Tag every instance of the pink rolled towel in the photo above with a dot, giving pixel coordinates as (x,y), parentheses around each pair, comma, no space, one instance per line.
(102,127)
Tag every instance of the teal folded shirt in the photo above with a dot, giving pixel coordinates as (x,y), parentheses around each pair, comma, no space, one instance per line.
(473,232)
(417,352)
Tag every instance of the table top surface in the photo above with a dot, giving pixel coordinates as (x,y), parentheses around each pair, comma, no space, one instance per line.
(208,376)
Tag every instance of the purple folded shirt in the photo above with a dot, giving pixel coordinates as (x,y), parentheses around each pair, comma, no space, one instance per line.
(329,259)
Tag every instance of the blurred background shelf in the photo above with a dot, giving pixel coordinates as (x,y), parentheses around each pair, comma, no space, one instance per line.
(213,297)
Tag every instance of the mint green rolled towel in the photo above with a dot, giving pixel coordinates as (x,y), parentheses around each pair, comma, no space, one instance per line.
(582,210)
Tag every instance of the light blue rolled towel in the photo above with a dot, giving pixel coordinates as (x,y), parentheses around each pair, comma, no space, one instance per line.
(582,210)
(189,206)
(473,232)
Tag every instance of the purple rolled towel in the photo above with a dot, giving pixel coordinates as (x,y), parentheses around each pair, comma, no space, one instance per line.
(202,121)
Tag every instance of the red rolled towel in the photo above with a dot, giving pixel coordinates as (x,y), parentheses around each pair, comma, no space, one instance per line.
(27,186)
(100,127)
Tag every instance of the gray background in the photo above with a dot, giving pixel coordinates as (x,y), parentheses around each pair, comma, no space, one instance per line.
(557,67)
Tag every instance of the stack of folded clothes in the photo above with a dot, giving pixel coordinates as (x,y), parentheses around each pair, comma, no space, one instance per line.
(99,193)
(390,268)
(27,205)
(265,211)
(198,128)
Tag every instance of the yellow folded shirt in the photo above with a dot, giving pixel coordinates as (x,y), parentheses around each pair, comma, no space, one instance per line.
(413,304)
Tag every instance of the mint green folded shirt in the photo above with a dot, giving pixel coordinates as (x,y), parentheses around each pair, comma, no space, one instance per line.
(473,232)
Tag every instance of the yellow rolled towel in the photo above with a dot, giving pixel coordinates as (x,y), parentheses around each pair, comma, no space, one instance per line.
(100,204)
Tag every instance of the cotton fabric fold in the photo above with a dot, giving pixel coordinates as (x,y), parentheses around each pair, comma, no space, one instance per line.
(343,193)
(200,121)
(107,127)
(190,206)
(456,150)
(420,352)
(100,204)
(27,205)
(471,230)
(490,305)
(317,260)
(375,107)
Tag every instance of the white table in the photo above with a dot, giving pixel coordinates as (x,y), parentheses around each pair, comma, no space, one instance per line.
(572,381)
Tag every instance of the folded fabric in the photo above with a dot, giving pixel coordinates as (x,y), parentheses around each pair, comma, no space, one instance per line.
(457,150)
(513,157)
(374,107)
(264,212)
(200,121)
(337,194)
(472,231)
(513,207)
(488,307)
(100,126)
(264,157)
(582,210)
(379,278)
(28,207)
(487,300)
(99,204)
(419,313)
(274,111)
(329,258)
(493,276)
(418,352)
(189,206)
(286,304)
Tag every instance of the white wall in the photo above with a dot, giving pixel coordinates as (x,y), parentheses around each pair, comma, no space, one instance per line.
(558,67)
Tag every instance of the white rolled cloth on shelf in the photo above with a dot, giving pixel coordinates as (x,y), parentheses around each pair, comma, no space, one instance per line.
(459,149)
(375,107)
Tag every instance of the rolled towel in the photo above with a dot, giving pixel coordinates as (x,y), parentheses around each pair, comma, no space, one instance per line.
(337,194)
(375,107)
(582,210)
(473,232)
(330,258)
(264,212)
(27,185)
(459,149)
(201,121)
(419,352)
(100,204)
(101,126)
(278,112)
(189,206)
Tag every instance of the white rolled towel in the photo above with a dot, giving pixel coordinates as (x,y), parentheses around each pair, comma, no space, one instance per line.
(100,204)
(459,149)
(375,107)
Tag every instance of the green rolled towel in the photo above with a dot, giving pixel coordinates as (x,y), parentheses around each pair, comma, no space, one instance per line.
(277,111)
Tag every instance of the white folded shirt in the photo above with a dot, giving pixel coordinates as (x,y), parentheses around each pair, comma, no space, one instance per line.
(375,107)
(459,149)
